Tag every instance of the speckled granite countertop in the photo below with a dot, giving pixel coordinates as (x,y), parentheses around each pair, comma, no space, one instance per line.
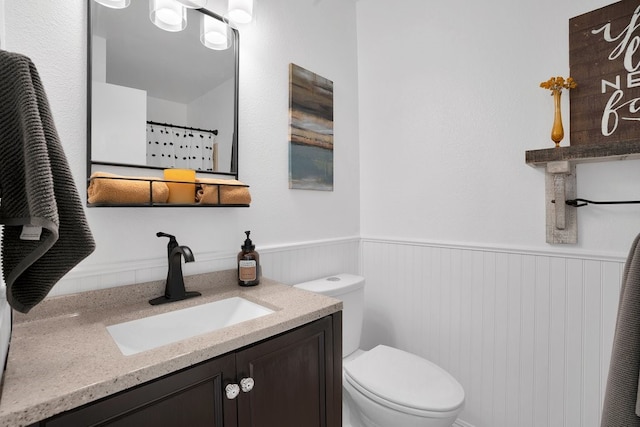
(62,355)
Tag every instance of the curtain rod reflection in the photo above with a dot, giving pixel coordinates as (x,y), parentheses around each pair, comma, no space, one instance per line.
(169,125)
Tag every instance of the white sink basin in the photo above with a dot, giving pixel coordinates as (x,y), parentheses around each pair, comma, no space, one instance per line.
(162,329)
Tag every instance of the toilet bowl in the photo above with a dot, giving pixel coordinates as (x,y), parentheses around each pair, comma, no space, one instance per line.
(386,386)
(391,387)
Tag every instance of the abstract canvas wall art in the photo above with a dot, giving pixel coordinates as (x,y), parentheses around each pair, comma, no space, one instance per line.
(310,130)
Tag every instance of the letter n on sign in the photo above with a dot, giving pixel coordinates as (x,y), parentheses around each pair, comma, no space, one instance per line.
(604,56)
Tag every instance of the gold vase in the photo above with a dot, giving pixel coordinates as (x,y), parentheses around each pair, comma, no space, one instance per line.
(557,131)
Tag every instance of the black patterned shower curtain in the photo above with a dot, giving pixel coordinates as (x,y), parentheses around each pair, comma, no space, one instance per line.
(178,147)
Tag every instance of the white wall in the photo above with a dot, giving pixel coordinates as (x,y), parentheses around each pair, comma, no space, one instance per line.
(163,111)
(213,110)
(450,91)
(53,34)
(527,333)
(119,124)
(453,220)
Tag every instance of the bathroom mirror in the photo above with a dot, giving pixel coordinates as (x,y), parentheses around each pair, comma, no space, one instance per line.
(159,99)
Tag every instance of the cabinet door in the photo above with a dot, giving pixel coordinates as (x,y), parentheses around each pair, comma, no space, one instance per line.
(192,397)
(295,382)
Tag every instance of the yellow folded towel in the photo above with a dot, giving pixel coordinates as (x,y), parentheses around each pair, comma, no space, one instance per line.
(232,192)
(125,189)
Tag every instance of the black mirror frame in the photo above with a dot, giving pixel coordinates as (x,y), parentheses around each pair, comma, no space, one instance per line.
(234,150)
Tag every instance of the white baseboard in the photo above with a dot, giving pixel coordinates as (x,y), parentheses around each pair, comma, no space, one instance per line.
(460,423)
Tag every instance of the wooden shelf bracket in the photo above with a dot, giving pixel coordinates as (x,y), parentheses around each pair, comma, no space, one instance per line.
(560,186)
(560,181)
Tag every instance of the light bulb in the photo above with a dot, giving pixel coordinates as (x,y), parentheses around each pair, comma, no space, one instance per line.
(114,4)
(214,34)
(241,11)
(168,15)
(193,4)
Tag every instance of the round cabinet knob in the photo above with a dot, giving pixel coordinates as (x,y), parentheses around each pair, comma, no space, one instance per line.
(246,384)
(232,390)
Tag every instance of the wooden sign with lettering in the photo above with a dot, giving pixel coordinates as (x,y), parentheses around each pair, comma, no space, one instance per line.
(604,56)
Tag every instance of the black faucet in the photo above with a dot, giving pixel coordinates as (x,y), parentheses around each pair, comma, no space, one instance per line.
(174,290)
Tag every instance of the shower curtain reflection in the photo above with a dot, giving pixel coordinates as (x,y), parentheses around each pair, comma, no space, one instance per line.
(171,146)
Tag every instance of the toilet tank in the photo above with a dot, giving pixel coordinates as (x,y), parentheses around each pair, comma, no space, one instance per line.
(348,288)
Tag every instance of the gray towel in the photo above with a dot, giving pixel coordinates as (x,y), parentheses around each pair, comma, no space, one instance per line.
(621,405)
(36,188)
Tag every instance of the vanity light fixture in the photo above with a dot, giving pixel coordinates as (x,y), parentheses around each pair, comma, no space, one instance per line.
(240,11)
(168,15)
(193,4)
(214,34)
(114,4)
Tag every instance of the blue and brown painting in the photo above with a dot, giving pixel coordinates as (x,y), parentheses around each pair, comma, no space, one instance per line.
(310,130)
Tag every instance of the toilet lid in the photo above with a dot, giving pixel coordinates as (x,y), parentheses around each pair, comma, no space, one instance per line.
(404,379)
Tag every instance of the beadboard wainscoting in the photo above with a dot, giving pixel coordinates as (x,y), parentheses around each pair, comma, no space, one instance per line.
(287,264)
(527,334)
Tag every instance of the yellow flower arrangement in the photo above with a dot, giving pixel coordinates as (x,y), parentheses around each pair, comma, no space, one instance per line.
(555,85)
(559,83)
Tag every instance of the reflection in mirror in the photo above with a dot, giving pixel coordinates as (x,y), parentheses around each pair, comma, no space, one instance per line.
(161,99)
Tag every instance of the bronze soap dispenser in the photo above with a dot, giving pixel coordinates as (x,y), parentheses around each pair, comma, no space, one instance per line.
(248,264)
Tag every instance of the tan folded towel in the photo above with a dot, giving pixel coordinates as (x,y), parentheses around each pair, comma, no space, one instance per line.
(125,189)
(232,192)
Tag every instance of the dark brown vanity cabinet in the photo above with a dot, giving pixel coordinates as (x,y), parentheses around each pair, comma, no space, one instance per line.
(296,383)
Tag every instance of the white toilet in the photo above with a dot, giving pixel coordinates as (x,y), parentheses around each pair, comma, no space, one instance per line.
(385,386)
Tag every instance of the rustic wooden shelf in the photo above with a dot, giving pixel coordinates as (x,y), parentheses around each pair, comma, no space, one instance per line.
(560,181)
(584,153)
